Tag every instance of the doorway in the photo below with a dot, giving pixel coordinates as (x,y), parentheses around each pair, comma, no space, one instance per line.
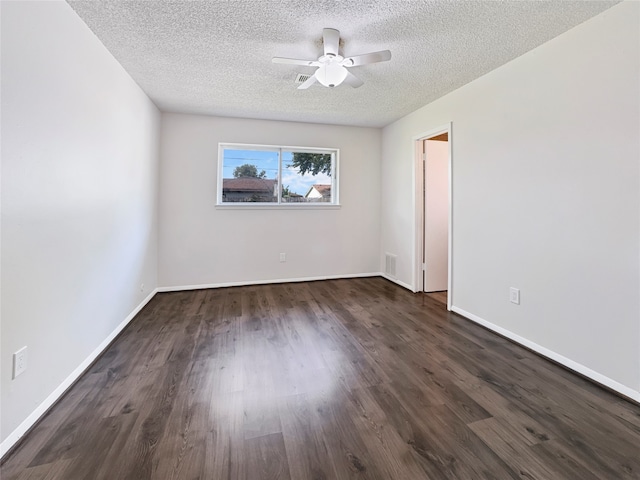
(434,239)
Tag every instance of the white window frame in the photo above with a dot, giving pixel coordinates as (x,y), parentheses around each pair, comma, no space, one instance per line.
(335,156)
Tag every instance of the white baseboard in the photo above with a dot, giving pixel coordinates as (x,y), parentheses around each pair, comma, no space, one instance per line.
(178,288)
(14,436)
(551,355)
(397,282)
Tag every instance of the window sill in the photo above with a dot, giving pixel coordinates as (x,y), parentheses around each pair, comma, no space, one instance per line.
(282,206)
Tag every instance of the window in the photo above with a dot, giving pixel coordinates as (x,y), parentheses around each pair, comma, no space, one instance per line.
(269,175)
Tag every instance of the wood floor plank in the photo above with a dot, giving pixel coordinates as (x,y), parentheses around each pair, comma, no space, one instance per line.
(511,448)
(338,379)
(267,458)
(48,471)
(307,454)
(349,453)
(224,443)
(557,455)
(388,450)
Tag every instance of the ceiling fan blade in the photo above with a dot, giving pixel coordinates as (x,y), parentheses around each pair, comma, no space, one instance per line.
(310,81)
(294,61)
(352,80)
(367,58)
(331,40)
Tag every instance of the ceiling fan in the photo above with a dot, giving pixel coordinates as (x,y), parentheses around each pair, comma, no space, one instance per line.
(332,67)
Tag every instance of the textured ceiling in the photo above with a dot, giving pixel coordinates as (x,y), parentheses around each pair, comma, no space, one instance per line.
(214,57)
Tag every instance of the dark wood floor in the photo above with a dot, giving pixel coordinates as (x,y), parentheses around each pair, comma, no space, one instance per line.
(325,380)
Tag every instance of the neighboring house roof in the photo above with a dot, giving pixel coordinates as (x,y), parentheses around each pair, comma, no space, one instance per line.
(248,184)
(324,190)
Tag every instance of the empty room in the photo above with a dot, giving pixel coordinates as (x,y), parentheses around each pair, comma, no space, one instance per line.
(320,240)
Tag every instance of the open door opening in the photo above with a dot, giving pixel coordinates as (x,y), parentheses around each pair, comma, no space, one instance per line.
(434,272)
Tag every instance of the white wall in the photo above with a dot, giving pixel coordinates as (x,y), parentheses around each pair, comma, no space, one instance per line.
(436,218)
(79,202)
(546,172)
(202,245)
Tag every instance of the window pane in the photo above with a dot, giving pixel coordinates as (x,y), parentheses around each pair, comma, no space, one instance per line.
(306,177)
(249,176)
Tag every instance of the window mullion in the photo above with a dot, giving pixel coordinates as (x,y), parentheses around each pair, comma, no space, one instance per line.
(334,175)
(279,176)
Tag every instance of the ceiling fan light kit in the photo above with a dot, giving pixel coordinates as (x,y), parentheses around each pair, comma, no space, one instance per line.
(331,74)
(332,67)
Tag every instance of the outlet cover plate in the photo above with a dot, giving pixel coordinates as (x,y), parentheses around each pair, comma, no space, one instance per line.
(19,361)
(514,295)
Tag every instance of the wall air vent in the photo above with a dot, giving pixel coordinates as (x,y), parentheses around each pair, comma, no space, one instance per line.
(302,77)
(390,264)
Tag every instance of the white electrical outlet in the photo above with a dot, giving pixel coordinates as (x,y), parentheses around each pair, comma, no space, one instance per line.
(514,295)
(19,361)
(283,257)
(142,287)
